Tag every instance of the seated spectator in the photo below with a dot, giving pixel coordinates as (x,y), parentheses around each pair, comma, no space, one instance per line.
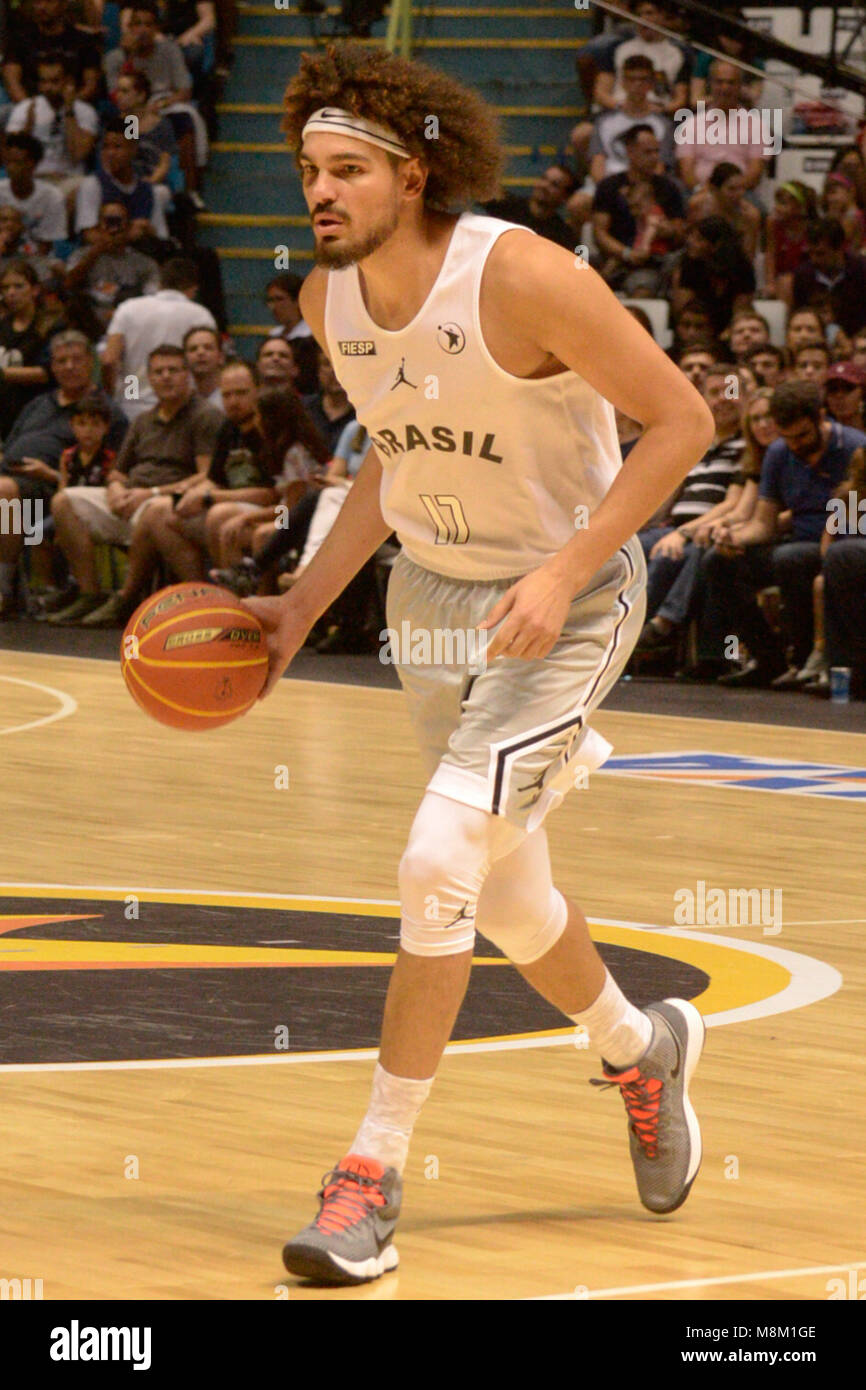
(607,153)
(65,127)
(41,206)
(298,455)
(833,273)
(305,353)
(801,471)
(29,468)
(109,270)
(48,33)
(342,470)
(154,144)
(804,326)
(714,268)
(795,209)
(143,49)
(540,211)
(699,157)
(767,362)
(87,463)
(725,196)
(206,360)
(281,297)
(839,202)
(693,323)
(240,482)
(329,408)
(189,23)
(858,349)
(629,263)
(849,160)
(23,346)
(600,141)
(115,181)
(167,450)
(734,46)
(670,62)
(844,389)
(811,362)
(748,329)
(843,570)
(695,361)
(275,363)
(140,325)
(709,492)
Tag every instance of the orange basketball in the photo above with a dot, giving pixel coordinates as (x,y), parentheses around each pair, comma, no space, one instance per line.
(193,657)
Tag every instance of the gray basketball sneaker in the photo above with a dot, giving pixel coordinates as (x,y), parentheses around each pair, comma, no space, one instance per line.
(350,1240)
(664,1135)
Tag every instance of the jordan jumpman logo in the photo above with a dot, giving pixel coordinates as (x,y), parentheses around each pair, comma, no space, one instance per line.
(402,379)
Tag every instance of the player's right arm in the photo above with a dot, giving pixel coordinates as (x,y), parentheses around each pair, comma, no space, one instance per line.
(357,533)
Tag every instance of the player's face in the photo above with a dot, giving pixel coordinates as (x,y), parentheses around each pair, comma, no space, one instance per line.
(353,195)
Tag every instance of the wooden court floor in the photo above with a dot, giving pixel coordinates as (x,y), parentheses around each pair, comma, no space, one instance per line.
(182,1181)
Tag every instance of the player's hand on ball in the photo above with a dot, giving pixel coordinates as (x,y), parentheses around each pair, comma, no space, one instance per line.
(285,631)
(534,612)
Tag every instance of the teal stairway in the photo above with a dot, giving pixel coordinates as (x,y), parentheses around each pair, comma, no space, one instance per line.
(521,58)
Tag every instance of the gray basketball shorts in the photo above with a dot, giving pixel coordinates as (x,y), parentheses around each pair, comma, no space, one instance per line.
(510,738)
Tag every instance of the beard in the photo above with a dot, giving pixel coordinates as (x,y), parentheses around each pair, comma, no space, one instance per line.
(338,257)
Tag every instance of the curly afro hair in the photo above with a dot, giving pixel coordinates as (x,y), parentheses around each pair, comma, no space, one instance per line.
(464,160)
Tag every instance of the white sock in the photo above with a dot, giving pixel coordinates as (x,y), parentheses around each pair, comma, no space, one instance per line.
(387,1126)
(621,1032)
(7,578)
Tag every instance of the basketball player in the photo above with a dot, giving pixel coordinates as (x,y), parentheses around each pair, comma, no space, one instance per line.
(486,363)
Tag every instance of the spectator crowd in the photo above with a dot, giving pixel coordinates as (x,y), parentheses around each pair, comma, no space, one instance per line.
(126,416)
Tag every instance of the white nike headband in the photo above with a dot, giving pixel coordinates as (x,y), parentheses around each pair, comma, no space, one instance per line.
(332,119)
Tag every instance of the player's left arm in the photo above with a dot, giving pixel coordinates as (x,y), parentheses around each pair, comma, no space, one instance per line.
(558,306)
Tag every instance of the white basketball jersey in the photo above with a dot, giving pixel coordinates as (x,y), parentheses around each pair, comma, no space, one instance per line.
(485,474)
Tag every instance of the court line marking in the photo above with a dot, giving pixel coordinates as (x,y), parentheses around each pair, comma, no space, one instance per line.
(811,981)
(67,706)
(696,1283)
(626,713)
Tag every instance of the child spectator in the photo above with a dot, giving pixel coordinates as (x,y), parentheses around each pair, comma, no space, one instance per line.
(86,463)
(839,202)
(795,208)
(41,207)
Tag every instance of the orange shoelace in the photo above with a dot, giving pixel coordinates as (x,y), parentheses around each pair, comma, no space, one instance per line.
(642,1096)
(347,1197)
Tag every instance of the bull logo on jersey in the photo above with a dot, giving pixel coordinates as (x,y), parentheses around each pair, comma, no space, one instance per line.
(451,338)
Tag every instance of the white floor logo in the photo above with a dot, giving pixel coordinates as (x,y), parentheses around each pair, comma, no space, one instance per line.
(76,1343)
